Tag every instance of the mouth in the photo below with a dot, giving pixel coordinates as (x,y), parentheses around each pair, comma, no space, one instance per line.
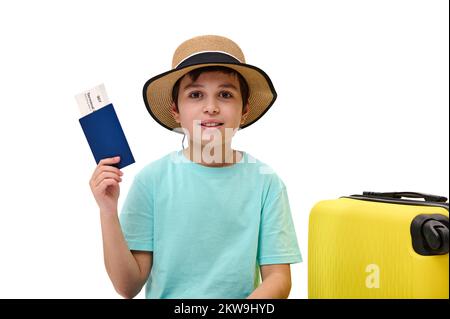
(211,125)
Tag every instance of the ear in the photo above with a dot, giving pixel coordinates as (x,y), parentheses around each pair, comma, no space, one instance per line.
(175,113)
(245,112)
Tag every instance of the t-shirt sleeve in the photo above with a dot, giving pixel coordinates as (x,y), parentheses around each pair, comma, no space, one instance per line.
(136,218)
(277,238)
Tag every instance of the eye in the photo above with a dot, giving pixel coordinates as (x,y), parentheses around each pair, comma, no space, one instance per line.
(226,95)
(195,95)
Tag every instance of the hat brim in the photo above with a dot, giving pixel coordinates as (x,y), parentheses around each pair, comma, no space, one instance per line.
(157,93)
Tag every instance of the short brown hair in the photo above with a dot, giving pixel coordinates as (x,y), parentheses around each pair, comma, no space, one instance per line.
(194,74)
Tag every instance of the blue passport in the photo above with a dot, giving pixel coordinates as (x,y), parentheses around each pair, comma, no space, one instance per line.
(106,137)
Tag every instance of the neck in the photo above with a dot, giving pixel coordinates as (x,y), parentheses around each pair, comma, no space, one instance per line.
(217,156)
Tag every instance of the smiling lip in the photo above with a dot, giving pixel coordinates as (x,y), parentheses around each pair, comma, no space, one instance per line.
(211,123)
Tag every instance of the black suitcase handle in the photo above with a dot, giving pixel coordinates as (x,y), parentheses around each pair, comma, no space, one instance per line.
(426,197)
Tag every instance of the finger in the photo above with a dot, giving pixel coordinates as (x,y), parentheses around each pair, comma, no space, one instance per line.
(107,182)
(105,168)
(109,160)
(105,175)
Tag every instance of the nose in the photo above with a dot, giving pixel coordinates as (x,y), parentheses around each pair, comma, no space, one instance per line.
(211,106)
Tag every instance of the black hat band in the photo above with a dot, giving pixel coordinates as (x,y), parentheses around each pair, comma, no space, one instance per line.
(208,57)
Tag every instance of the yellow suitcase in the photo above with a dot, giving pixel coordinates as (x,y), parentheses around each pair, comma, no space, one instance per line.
(379,245)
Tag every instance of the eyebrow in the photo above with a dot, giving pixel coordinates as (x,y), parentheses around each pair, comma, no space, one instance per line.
(225,85)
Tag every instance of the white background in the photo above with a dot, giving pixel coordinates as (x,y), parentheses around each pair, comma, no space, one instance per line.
(363,105)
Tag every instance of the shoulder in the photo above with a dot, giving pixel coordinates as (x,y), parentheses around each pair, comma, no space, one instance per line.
(267,176)
(154,169)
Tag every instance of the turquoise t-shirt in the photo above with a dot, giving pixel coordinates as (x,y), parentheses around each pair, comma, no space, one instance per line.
(209,228)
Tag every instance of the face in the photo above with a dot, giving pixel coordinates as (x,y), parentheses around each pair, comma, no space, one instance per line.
(210,108)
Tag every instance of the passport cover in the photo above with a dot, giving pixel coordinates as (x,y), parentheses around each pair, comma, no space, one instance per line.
(105,136)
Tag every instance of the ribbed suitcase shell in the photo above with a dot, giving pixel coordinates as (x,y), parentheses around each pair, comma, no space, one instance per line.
(363,249)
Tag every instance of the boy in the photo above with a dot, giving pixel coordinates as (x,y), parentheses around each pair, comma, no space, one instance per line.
(204,221)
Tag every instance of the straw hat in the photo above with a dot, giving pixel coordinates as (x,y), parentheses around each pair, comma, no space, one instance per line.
(201,51)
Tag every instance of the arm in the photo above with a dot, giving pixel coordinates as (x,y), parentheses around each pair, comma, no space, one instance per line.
(276,282)
(127,270)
